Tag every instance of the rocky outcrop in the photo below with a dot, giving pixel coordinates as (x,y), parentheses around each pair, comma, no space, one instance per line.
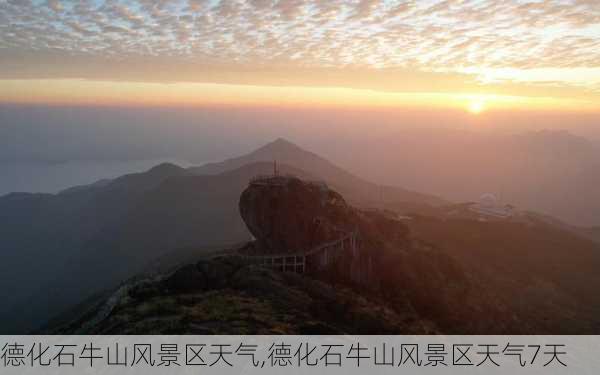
(288,215)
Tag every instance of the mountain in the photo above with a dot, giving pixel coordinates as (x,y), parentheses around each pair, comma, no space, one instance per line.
(551,172)
(102,235)
(545,275)
(89,238)
(63,251)
(422,274)
(355,189)
(227,293)
(47,235)
(236,298)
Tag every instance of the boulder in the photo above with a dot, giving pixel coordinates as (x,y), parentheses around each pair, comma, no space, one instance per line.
(293,215)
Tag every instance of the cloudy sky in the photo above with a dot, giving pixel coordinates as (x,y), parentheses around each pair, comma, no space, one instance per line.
(470,54)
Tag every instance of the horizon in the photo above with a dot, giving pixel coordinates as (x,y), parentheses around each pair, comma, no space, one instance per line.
(50,148)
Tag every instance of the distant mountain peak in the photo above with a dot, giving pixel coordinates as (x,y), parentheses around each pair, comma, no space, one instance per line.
(166,168)
(280,145)
(281,140)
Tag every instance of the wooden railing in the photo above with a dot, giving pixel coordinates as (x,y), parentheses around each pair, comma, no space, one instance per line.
(324,253)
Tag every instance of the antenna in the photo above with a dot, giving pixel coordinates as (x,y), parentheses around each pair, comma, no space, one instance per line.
(275,171)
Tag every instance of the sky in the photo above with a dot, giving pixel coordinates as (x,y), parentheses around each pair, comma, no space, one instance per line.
(472,55)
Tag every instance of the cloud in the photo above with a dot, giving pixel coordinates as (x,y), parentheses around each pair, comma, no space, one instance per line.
(441,36)
(55,5)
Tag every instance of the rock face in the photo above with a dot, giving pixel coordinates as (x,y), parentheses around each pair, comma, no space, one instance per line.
(288,215)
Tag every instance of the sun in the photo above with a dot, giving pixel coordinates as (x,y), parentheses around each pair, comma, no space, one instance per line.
(476,106)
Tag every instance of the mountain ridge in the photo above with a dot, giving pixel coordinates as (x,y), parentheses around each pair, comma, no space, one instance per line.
(283,151)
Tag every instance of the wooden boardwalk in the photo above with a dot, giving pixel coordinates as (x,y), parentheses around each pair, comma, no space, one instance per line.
(321,255)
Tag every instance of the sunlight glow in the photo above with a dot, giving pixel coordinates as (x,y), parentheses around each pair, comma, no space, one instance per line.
(123,93)
(477,106)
